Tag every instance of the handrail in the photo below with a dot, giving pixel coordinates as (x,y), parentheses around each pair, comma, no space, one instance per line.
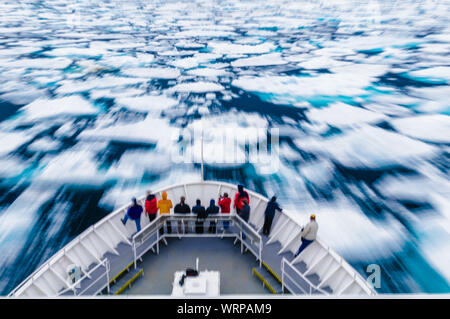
(348,268)
(284,262)
(104,263)
(107,268)
(255,234)
(149,230)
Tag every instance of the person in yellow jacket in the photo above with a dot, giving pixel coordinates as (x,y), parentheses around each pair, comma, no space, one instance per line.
(164,206)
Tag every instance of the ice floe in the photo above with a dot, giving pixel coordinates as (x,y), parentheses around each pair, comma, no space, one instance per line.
(64,106)
(224,138)
(73,166)
(12,140)
(349,80)
(232,48)
(435,99)
(23,94)
(147,103)
(317,62)
(74,86)
(261,60)
(11,166)
(76,52)
(432,128)
(40,63)
(341,114)
(126,60)
(197,87)
(439,73)
(353,234)
(370,147)
(150,130)
(44,144)
(186,63)
(153,72)
(207,72)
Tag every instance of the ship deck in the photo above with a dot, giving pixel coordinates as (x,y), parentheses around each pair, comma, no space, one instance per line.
(213,253)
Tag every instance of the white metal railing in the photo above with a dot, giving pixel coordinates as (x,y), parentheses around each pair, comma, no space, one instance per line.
(152,229)
(253,235)
(73,286)
(295,281)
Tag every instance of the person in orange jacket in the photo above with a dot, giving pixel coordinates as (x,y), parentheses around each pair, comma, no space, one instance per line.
(164,206)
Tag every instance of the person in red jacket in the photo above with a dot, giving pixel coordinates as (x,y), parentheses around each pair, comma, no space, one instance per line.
(151,207)
(225,203)
(240,195)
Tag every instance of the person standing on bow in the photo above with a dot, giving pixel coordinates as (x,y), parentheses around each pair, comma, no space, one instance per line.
(309,234)
(225,203)
(200,211)
(238,199)
(151,206)
(245,213)
(212,210)
(269,214)
(182,208)
(134,213)
(164,206)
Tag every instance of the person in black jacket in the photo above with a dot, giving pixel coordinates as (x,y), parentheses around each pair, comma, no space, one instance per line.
(182,208)
(245,212)
(212,210)
(269,214)
(200,211)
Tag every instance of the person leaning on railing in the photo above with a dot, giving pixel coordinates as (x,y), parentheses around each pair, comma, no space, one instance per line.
(164,206)
(212,210)
(238,199)
(200,211)
(245,213)
(151,206)
(182,208)
(308,234)
(225,203)
(269,214)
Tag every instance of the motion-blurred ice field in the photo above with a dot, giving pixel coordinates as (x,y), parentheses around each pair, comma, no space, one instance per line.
(92,94)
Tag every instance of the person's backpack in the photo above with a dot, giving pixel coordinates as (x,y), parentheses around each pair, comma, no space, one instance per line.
(189,273)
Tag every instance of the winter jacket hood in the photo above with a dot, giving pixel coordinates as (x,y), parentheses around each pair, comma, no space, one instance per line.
(164,204)
(212,209)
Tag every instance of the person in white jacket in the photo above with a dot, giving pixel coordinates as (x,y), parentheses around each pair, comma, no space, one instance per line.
(309,234)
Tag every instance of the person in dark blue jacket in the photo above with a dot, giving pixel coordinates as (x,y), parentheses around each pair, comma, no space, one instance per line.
(200,211)
(269,214)
(212,210)
(182,208)
(134,213)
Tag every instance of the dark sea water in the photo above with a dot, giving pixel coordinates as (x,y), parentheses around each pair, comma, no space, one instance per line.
(98,99)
